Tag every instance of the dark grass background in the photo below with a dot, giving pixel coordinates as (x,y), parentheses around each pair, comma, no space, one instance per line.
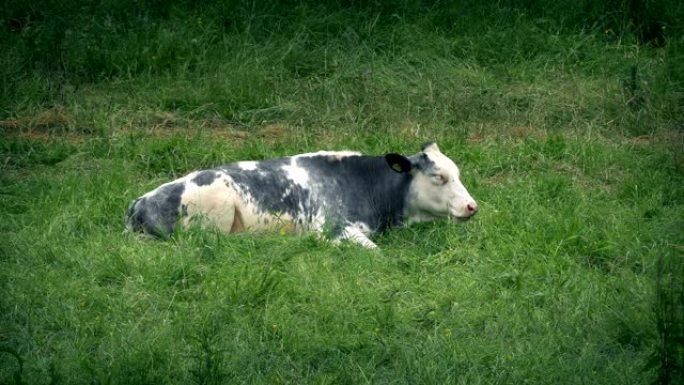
(566,118)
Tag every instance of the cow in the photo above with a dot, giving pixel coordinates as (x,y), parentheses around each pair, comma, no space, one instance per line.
(342,195)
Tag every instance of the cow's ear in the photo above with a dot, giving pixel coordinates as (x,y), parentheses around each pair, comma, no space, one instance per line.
(430,146)
(398,163)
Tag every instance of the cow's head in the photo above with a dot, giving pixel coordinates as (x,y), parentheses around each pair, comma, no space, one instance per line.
(436,190)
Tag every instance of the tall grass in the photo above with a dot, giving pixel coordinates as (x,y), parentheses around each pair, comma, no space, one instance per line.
(565,118)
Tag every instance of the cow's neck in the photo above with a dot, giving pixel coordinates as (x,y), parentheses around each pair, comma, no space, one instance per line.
(392,189)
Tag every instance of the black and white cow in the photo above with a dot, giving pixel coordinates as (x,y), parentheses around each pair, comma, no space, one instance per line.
(344,194)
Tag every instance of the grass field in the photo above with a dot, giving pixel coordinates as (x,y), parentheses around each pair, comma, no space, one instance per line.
(568,132)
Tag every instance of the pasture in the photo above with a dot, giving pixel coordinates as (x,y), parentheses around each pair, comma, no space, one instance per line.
(567,128)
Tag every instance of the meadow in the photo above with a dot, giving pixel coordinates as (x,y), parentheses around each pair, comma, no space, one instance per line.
(565,118)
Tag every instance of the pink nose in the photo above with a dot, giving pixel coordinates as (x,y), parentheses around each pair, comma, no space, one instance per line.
(472,208)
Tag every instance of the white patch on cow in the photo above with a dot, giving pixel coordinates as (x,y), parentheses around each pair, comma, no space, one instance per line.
(358,232)
(438,192)
(214,203)
(335,155)
(248,165)
(296,174)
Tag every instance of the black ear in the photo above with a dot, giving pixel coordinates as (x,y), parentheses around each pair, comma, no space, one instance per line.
(398,163)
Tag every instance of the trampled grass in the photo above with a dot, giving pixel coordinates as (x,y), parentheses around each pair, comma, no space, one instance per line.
(570,141)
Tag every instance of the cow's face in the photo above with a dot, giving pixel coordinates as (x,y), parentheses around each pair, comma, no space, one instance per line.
(436,190)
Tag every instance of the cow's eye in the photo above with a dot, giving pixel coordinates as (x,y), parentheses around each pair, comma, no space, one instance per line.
(440,179)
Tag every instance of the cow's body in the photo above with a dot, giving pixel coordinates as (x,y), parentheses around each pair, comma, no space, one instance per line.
(346,194)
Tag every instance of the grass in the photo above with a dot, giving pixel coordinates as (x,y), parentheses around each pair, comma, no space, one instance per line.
(569,138)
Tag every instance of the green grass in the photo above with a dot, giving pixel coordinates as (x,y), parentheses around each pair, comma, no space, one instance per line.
(568,136)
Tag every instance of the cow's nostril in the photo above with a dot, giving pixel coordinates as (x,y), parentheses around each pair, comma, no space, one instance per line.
(472,208)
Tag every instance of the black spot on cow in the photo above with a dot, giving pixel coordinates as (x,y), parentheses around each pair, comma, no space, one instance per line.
(204,178)
(270,188)
(360,189)
(421,162)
